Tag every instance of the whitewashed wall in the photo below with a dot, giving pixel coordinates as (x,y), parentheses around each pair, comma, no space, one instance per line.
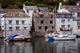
(28,24)
(59,23)
(75,27)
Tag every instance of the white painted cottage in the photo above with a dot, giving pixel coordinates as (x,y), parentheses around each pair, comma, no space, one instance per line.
(65,21)
(16,23)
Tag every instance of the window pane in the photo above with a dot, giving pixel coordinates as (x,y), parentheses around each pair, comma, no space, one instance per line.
(42,21)
(25,28)
(17,22)
(10,21)
(23,21)
(68,20)
(10,28)
(46,27)
(78,14)
(39,27)
(68,26)
(51,16)
(17,28)
(51,22)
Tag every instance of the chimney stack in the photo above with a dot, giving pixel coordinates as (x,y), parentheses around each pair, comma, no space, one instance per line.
(77,4)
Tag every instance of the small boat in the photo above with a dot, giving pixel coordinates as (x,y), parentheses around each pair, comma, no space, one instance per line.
(21,38)
(11,36)
(58,36)
(17,38)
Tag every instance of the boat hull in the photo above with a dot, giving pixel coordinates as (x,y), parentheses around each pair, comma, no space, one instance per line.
(20,39)
(64,38)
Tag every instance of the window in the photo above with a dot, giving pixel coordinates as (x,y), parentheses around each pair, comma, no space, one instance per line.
(10,28)
(78,14)
(39,27)
(63,20)
(46,27)
(78,22)
(62,26)
(17,28)
(68,26)
(51,16)
(17,22)
(10,21)
(52,27)
(25,28)
(78,27)
(28,11)
(42,21)
(51,22)
(23,21)
(68,20)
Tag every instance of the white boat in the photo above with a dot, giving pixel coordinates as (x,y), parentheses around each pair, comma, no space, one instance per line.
(57,36)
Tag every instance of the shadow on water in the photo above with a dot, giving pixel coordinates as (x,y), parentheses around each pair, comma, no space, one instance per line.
(39,45)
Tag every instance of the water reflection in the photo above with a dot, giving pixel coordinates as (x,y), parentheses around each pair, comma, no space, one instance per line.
(66,47)
(16,47)
(56,47)
(39,45)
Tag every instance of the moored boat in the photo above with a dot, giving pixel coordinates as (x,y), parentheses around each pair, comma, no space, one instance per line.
(18,38)
(58,36)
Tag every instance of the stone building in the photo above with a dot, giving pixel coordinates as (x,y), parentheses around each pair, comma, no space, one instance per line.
(43,20)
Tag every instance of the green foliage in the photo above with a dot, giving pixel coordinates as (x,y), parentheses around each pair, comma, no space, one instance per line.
(44,3)
(71,2)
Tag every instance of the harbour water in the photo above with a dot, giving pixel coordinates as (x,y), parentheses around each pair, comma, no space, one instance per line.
(39,45)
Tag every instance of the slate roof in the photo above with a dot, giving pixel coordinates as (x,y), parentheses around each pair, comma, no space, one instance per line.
(11,10)
(71,8)
(43,9)
(45,15)
(30,7)
(64,15)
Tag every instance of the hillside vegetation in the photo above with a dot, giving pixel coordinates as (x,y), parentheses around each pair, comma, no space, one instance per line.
(44,3)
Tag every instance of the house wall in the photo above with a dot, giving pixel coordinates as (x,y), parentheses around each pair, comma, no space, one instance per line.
(75,28)
(46,22)
(27,24)
(66,23)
